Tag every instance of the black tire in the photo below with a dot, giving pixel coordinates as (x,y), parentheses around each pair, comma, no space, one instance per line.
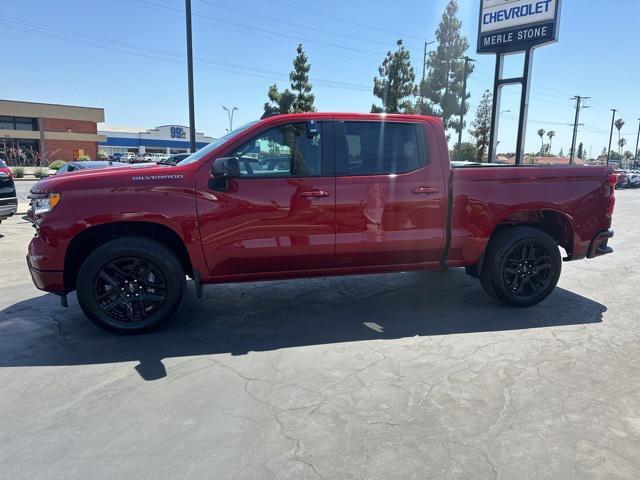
(130,285)
(521,266)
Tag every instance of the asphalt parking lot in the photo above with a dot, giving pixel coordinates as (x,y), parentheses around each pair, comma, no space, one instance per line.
(406,376)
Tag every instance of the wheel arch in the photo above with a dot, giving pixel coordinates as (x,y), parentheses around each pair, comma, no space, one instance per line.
(555,223)
(93,237)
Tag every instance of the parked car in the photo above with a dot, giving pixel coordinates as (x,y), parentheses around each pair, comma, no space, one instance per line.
(362,193)
(174,159)
(89,165)
(622,180)
(634,179)
(8,197)
(127,157)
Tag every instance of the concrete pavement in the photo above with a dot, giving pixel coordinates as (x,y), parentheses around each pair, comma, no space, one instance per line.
(406,376)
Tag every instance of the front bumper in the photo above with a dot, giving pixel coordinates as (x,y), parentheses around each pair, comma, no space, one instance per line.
(49,281)
(599,245)
(8,207)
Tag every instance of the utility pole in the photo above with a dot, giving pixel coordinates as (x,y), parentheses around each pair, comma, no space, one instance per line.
(462,101)
(635,154)
(613,119)
(424,71)
(579,106)
(192,115)
(230,115)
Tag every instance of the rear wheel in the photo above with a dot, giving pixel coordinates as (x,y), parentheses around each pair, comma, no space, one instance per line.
(130,285)
(521,267)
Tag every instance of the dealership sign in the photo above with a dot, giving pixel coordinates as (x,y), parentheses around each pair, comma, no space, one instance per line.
(508,26)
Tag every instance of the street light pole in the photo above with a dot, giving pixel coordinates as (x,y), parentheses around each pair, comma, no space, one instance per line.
(424,71)
(464,97)
(635,154)
(230,115)
(192,116)
(613,119)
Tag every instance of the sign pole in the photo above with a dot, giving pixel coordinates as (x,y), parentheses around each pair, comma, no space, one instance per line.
(510,27)
(524,107)
(495,109)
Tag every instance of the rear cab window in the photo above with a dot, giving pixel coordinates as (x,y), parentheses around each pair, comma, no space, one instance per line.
(379,148)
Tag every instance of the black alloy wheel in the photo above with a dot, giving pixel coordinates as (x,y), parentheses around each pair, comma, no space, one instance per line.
(130,289)
(130,285)
(521,266)
(527,269)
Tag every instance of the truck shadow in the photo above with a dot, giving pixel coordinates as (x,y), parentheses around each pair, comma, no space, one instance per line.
(240,318)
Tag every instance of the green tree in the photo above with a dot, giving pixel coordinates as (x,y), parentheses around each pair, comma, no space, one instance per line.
(481,125)
(541,133)
(396,83)
(301,99)
(443,86)
(551,134)
(279,102)
(468,152)
(299,77)
(621,143)
(580,153)
(561,154)
(619,124)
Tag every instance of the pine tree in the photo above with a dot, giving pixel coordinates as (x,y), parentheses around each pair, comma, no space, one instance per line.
(300,83)
(580,154)
(481,126)
(301,99)
(396,83)
(443,86)
(279,102)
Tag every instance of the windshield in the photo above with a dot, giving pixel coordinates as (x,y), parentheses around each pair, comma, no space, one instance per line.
(215,144)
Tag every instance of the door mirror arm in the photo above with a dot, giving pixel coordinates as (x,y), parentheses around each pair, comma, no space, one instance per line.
(222,170)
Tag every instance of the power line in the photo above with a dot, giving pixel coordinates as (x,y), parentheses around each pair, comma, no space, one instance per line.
(344,20)
(305,27)
(159,54)
(259,29)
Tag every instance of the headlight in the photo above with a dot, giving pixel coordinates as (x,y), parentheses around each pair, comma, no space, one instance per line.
(45,203)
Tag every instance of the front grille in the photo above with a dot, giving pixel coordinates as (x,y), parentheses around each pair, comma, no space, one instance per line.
(8,201)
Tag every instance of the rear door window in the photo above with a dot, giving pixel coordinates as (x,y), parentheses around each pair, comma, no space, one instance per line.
(379,148)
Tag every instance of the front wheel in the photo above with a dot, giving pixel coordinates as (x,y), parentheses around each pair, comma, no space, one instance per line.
(521,266)
(130,285)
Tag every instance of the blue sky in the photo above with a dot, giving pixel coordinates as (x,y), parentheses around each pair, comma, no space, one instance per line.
(127,57)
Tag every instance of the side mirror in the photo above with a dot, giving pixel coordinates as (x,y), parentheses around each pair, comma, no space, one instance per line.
(222,170)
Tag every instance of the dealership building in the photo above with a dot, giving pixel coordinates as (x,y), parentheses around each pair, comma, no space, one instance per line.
(30,131)
(162,139)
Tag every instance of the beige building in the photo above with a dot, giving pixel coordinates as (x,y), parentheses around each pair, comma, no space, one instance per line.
(31,131)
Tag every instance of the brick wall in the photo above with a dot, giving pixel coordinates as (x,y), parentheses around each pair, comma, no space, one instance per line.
(75,126)
(63,149)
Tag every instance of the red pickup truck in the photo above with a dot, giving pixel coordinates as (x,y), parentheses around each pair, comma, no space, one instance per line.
(310,195)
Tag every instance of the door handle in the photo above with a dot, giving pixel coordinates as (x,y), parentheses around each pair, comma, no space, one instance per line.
(315,194)
(425,190)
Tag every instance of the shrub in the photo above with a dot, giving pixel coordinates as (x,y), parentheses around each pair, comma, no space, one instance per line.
(84,158)
(55,165)
(41,172)
(18,172)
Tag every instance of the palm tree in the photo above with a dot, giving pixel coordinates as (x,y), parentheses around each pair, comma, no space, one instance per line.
(619,124)
(541,133)
(621,143)
(551,134)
